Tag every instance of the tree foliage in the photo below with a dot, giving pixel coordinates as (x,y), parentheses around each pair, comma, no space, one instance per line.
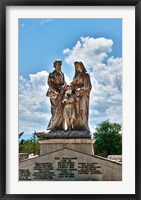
(108,139)
(20,134)
(29,146)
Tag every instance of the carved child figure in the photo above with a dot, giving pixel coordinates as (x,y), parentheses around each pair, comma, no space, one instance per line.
(69,108)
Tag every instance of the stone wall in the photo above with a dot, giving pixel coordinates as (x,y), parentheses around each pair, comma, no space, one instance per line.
(111,170)
(69,165)
(69,160)
(23,156)
(62,165)
(115,157)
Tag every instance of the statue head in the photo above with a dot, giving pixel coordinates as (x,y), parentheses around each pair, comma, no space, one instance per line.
(79,67)
(57,65)
(69,89)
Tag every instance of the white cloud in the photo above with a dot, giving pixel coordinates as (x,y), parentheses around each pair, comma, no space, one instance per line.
(34,106)
(89,50)
(114,113)
(106,78)
(67,79)
(45,21)
(106,94)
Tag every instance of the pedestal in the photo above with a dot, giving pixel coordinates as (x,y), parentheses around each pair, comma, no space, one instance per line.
(68,159)
(79,145)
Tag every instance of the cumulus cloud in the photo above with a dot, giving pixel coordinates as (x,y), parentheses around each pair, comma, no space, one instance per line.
(89,50)
(34,106)
(106,77)
(34,110)
(106,94)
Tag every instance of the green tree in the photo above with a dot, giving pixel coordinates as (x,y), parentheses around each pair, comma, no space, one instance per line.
(29,146)
(108,139)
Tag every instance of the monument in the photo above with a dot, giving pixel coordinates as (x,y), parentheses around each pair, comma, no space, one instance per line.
(66,148)
(69,103)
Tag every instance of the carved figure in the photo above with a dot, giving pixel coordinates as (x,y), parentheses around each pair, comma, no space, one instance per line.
(56,83)
(82,84)
(69,108)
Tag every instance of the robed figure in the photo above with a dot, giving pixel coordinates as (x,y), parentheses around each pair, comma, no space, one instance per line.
(82,86)
(56,83)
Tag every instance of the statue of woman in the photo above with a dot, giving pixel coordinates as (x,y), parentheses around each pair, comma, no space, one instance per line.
(56,83)
(82,84)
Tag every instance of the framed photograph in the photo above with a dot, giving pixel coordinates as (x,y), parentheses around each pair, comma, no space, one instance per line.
(70,99)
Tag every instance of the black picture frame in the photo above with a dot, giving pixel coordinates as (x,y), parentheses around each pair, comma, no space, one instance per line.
(3,125)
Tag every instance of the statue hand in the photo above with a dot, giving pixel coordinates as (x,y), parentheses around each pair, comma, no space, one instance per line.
(77,99)
(56,94)
(62,91)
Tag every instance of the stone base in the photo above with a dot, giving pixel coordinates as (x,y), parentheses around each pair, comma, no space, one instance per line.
(23,156)
(68,160)
(62,165)
(78,145)
(62,134)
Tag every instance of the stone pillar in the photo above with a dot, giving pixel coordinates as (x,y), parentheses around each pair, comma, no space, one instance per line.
(79,145)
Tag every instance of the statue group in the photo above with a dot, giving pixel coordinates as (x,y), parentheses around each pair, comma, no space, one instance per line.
(69,103)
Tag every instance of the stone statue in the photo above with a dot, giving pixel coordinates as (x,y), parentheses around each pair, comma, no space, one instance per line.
(56,83)
(69,113)
(69,104)
(82,84)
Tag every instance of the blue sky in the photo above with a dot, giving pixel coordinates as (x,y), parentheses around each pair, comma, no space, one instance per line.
(96,42)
